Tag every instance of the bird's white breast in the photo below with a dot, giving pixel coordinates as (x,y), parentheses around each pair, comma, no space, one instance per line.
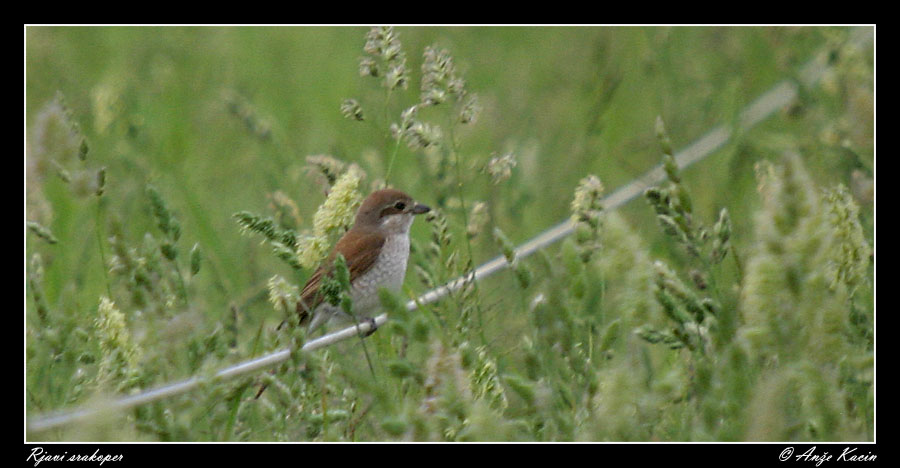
(387,271)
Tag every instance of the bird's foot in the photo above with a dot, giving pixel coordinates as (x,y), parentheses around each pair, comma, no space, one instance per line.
(372,326)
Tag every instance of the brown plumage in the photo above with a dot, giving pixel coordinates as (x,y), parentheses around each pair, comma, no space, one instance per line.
(359,248)
(383,214)
(375,248)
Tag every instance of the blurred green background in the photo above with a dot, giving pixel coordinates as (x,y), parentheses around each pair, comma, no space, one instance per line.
(219,119)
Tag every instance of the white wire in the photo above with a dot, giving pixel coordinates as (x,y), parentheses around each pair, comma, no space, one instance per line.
(764,106)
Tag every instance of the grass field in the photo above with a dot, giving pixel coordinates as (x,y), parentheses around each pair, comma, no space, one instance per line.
(732,302)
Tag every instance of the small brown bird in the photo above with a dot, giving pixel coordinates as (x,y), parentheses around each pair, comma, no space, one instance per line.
(376,249)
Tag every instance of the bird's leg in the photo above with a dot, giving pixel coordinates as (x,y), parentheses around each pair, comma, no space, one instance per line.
(372,326)
(263,386)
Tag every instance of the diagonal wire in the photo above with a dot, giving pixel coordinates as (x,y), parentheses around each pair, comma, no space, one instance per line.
(779,96)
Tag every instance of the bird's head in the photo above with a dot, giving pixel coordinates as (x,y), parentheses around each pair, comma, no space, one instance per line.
(389,210)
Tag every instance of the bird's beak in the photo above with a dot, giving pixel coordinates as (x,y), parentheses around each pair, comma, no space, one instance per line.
(420,208)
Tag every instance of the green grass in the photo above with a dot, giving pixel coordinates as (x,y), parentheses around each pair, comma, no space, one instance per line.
(194,124)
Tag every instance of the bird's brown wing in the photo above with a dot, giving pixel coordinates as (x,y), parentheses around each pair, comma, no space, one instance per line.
(359,248)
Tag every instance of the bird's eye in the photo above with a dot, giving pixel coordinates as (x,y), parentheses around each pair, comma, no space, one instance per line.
(400,205)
